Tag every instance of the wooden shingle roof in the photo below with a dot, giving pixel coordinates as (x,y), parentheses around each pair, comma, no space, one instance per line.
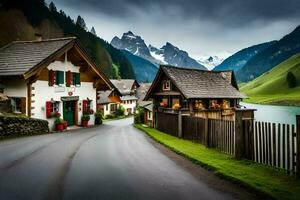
(123,85)
(19,57)
(195,84)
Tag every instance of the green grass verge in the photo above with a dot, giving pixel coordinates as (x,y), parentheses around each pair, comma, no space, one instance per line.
(259,178)
(272,87)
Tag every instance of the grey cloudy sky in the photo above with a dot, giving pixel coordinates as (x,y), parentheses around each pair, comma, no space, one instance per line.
(201,27)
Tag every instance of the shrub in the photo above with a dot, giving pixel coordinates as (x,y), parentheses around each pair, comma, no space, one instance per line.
(139,115)
(98,117)
(120,111)
(110,116)
(59,121)
(85,117)
(291,79)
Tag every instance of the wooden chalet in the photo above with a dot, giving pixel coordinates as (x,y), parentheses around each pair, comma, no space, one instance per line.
(195,92)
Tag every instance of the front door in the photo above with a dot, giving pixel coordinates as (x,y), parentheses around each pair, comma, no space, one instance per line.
(69,108)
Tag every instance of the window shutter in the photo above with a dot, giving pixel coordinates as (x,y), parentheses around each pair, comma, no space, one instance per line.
(74,78)
(77,79)
(60,77)
(84,105)
(48,108)
(68,78)
(52,77)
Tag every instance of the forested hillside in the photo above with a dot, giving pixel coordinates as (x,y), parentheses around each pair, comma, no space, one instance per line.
(20,20)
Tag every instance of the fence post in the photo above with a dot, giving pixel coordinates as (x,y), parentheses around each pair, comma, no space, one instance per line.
(179,124)
(239,139)
(298,146)
(206,131)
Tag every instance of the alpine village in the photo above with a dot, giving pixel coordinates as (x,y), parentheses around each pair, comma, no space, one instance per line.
(131,121)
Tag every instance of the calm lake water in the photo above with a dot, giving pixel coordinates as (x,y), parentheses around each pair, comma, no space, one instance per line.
(276,114)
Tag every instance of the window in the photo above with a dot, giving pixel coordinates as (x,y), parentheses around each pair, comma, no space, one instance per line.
(51,108)
(106,107)
(166,85)
(56,78)
(18,104)
(175,101)
(87,106)
(113,107)
(72,78)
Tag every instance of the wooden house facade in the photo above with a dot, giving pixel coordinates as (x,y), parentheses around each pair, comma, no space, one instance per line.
(51,76)
(195,92)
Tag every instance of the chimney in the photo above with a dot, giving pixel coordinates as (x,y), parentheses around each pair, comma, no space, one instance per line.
(38,37)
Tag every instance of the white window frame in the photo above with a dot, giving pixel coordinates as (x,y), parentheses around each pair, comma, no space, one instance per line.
(166,85)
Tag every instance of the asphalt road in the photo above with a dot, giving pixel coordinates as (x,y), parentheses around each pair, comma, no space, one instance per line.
(113,161)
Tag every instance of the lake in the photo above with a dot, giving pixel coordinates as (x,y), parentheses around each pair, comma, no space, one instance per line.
(276,114)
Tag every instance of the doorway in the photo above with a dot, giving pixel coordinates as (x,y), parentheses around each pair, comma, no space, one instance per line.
(69,112)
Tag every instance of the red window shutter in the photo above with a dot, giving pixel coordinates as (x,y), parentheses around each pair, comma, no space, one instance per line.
(84,105)
(52,77)
(69,78)
(48,108)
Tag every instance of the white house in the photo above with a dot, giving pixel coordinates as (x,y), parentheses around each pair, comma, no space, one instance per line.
(44,77)
(108,101)
(127,88)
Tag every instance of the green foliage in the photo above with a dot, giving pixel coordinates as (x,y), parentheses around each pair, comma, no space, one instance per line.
(120,111)
(80,22)
(116,73)
(99,50)
(258,177)
(291,79)
(59,121)
(98,117)
(85,117)
(110,116)
(139,115)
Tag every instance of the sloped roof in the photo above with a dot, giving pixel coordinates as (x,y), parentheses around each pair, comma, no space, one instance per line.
(142,91)
(194,83)
(19,57)
(123,85)
(104,96)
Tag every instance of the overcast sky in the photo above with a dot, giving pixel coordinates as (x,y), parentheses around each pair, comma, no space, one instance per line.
(201,27)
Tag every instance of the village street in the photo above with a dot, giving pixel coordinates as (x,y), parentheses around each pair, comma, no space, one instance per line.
(113,161)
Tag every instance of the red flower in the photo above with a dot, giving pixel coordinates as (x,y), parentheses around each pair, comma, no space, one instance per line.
(91,111)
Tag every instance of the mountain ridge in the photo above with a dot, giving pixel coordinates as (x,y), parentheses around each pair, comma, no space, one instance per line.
(167,54)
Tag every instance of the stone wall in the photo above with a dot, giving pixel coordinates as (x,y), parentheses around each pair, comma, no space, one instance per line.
(19,126)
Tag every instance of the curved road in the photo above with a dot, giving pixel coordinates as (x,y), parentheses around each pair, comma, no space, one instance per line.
(113,161)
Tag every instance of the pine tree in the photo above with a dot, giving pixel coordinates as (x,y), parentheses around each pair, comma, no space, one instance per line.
(291,79)
(80,22)
(52,7)
(93,31)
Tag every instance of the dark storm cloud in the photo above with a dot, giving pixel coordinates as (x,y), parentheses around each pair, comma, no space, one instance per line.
(231,12)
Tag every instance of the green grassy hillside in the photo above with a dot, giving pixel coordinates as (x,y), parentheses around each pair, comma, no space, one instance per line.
(272,87)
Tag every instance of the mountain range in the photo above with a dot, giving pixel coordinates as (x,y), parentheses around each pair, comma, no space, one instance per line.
(252,62)
(167,54)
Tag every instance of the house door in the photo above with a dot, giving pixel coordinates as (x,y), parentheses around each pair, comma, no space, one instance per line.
(69,112)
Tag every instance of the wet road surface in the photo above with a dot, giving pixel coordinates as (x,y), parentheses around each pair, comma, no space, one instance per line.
(113,161)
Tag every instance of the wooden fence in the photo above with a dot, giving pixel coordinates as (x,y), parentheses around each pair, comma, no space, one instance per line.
(272,144)
(221,135)
(167,123)
(275,145)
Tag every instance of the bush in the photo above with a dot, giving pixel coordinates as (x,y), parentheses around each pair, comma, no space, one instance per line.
(85,117)
(98,117)
(291,79)
(120,111)
(139,115)
(59,121)
(110,116)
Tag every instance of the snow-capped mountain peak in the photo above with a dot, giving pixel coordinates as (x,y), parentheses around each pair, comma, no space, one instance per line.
(168,54)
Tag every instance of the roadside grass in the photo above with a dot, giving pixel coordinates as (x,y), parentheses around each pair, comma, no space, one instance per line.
(256,177)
